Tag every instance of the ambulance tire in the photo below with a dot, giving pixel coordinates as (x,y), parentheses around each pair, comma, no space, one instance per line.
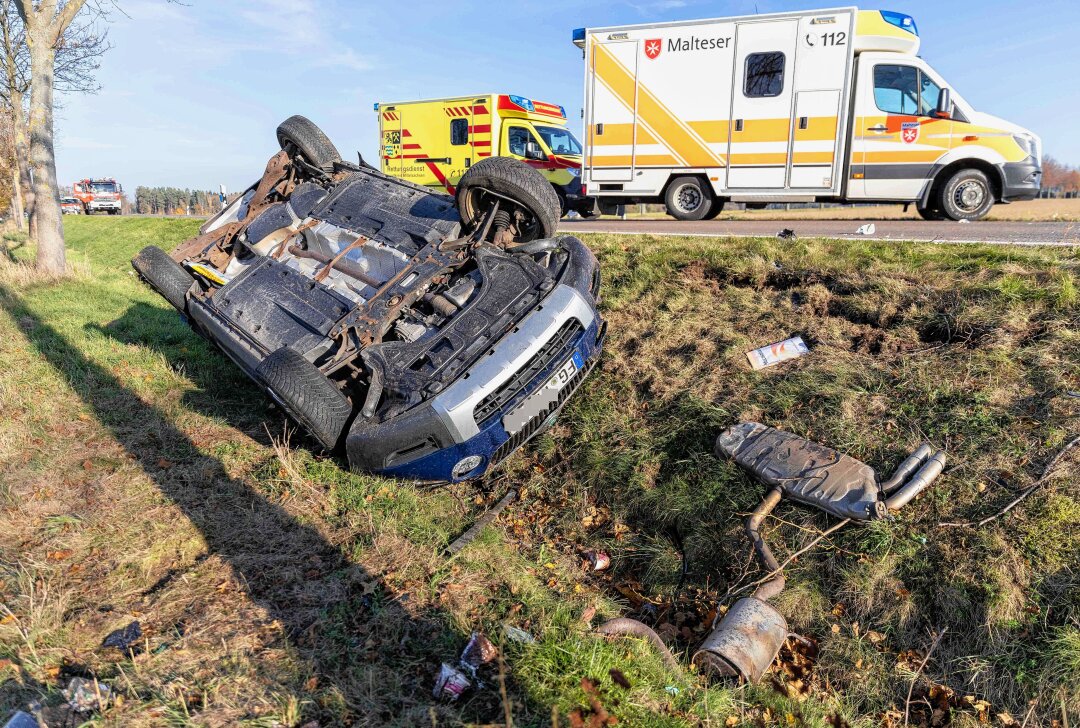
(714,210)
(931,213)
(563,209)
(688,198)
(509,178)
(314,146)
(966,195)
(164,275)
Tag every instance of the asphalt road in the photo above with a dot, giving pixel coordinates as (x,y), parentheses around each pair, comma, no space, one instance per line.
(1000,233)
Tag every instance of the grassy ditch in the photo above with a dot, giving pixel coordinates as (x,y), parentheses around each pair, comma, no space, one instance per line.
(143,478)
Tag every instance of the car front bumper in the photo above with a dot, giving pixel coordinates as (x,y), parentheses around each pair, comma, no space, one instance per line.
(1021,180)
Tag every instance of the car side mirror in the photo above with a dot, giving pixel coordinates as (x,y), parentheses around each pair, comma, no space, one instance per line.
(533,151)
(944,104)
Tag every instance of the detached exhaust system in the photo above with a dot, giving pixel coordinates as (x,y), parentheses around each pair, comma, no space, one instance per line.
(748,638)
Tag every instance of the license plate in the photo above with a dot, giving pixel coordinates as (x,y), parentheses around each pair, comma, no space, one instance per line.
(542,399)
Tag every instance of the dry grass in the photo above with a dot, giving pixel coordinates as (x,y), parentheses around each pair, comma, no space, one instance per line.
(142,477)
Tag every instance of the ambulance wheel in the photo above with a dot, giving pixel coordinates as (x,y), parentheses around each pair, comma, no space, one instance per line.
(930,213)
(298,134)
(967,195)
(164,275)
(536,212)
(714,210)
(688,198)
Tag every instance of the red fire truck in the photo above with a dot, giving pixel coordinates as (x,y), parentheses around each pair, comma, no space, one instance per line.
(99,195)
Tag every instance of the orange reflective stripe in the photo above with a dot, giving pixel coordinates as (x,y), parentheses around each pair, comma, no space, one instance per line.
(683,142)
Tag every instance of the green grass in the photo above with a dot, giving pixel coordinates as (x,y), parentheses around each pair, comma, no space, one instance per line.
(142,476)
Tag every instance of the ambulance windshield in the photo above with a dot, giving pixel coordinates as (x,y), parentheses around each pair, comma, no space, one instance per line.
(559,140)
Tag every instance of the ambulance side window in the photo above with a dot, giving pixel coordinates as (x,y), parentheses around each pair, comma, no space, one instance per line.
(896,89)
(459,132)
(764,75)
(517,138)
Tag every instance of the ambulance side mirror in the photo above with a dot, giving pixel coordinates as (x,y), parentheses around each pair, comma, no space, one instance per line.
(533,151)
(944,104)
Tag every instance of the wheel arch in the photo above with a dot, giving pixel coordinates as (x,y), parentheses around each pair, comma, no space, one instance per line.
(939,176)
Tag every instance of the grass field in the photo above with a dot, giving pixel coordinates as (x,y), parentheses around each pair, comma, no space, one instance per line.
(142,477)
(1065,210)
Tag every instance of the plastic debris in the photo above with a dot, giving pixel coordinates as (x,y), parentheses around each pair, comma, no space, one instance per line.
(671,690)
(451,683)
(124,638)
(21,720)
(766,356)
(787,234)
(867,229)
(599,560)
(963,219)
(479,651)
(86,696)
(516,634)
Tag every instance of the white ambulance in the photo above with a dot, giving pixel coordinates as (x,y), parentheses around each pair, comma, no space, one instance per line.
(825,105)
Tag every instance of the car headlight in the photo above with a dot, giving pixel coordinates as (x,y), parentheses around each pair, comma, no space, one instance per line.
(575,171)
(1028,144)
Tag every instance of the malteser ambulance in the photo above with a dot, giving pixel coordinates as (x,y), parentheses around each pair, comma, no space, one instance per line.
(825,105)
(433,142)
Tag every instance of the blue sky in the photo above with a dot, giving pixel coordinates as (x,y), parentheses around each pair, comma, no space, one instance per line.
(191,94)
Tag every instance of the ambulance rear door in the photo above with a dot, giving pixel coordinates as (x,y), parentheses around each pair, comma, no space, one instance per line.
(611,108)
(390,137)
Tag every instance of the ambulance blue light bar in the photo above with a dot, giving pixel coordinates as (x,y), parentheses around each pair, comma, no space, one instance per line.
(579,37)
(900,20)
(522,102)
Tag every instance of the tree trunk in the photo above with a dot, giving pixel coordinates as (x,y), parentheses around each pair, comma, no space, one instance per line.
(21,191)
(49,232)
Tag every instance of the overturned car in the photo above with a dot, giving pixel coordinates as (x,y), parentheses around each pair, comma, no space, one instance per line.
(423,336)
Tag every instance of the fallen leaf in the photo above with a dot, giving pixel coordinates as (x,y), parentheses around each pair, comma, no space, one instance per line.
(59,555)
(164,464)
(87,465)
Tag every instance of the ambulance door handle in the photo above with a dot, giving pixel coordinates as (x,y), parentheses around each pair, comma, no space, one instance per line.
(877,128)
(738,125)
(599,129)
(440,160)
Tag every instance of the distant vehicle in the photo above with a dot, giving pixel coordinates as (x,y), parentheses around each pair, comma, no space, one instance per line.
(71,206)
(434,142)
(821,105)
(423,337)
(99,195)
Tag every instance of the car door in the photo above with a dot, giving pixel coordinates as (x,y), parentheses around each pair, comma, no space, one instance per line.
(759,140)
(897,138)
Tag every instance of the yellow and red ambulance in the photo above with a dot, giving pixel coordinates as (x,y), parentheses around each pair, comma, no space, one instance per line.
(433,142)
(817,105)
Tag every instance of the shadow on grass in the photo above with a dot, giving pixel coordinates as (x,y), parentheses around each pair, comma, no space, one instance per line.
(322,599)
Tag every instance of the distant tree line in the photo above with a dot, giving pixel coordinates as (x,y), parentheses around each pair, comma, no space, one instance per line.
(175,201)
(1059,180)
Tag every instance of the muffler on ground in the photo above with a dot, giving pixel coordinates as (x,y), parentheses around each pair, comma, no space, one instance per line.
(748,638)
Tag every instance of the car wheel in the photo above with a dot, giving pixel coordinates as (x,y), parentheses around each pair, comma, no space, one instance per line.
(714,210)
(306,394)
(489,180)
(298,134)
(164,275)
(687,198)
(967,195)
(930,213)
(563,209)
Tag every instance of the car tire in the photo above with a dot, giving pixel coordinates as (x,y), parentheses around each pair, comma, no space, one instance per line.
(714,210)
(509,178)
(309,141)
(930,213)
(966,195)
(306,394)
(563,208)
(164,275)
(688,198)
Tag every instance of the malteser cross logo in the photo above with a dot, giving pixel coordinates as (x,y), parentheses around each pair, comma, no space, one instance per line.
(653,46)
